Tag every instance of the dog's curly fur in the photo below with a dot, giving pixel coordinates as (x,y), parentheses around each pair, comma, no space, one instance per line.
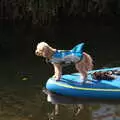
(84,65)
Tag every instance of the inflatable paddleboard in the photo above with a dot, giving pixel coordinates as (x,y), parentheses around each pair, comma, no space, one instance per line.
(94,87)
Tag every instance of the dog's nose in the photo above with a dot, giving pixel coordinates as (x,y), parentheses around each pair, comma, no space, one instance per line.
(36,52)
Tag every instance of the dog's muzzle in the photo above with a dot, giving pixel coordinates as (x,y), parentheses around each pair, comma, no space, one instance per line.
(37,53)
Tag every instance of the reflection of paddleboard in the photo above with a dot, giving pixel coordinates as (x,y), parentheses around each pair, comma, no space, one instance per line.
(69,85)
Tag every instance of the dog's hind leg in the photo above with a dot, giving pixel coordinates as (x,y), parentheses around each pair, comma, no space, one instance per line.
(82,70)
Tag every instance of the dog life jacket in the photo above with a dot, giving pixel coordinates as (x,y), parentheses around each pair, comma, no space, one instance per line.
(68,56)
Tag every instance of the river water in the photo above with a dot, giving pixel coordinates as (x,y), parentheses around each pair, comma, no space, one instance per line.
(23,75)
(22,97)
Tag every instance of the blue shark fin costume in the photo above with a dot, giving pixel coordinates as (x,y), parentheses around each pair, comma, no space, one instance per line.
(78,50)
(68,56)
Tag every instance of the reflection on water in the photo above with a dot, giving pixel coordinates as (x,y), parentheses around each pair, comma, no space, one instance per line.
(106,112)
(94,109)
(29,103)
(22,98)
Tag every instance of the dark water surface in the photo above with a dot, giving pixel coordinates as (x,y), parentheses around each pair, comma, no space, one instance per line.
(22,97)
(23,75)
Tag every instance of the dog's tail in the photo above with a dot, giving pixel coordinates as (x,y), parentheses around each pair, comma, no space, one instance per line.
(88,61)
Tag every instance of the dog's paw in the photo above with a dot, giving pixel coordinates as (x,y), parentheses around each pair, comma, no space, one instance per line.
(53,76)
(56,77)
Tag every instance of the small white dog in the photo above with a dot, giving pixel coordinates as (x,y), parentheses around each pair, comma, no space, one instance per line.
(83,62)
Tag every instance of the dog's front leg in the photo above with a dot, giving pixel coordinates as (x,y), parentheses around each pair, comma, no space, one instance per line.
(57,71)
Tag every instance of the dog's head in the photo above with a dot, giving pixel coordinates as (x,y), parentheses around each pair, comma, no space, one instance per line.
(43,49)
